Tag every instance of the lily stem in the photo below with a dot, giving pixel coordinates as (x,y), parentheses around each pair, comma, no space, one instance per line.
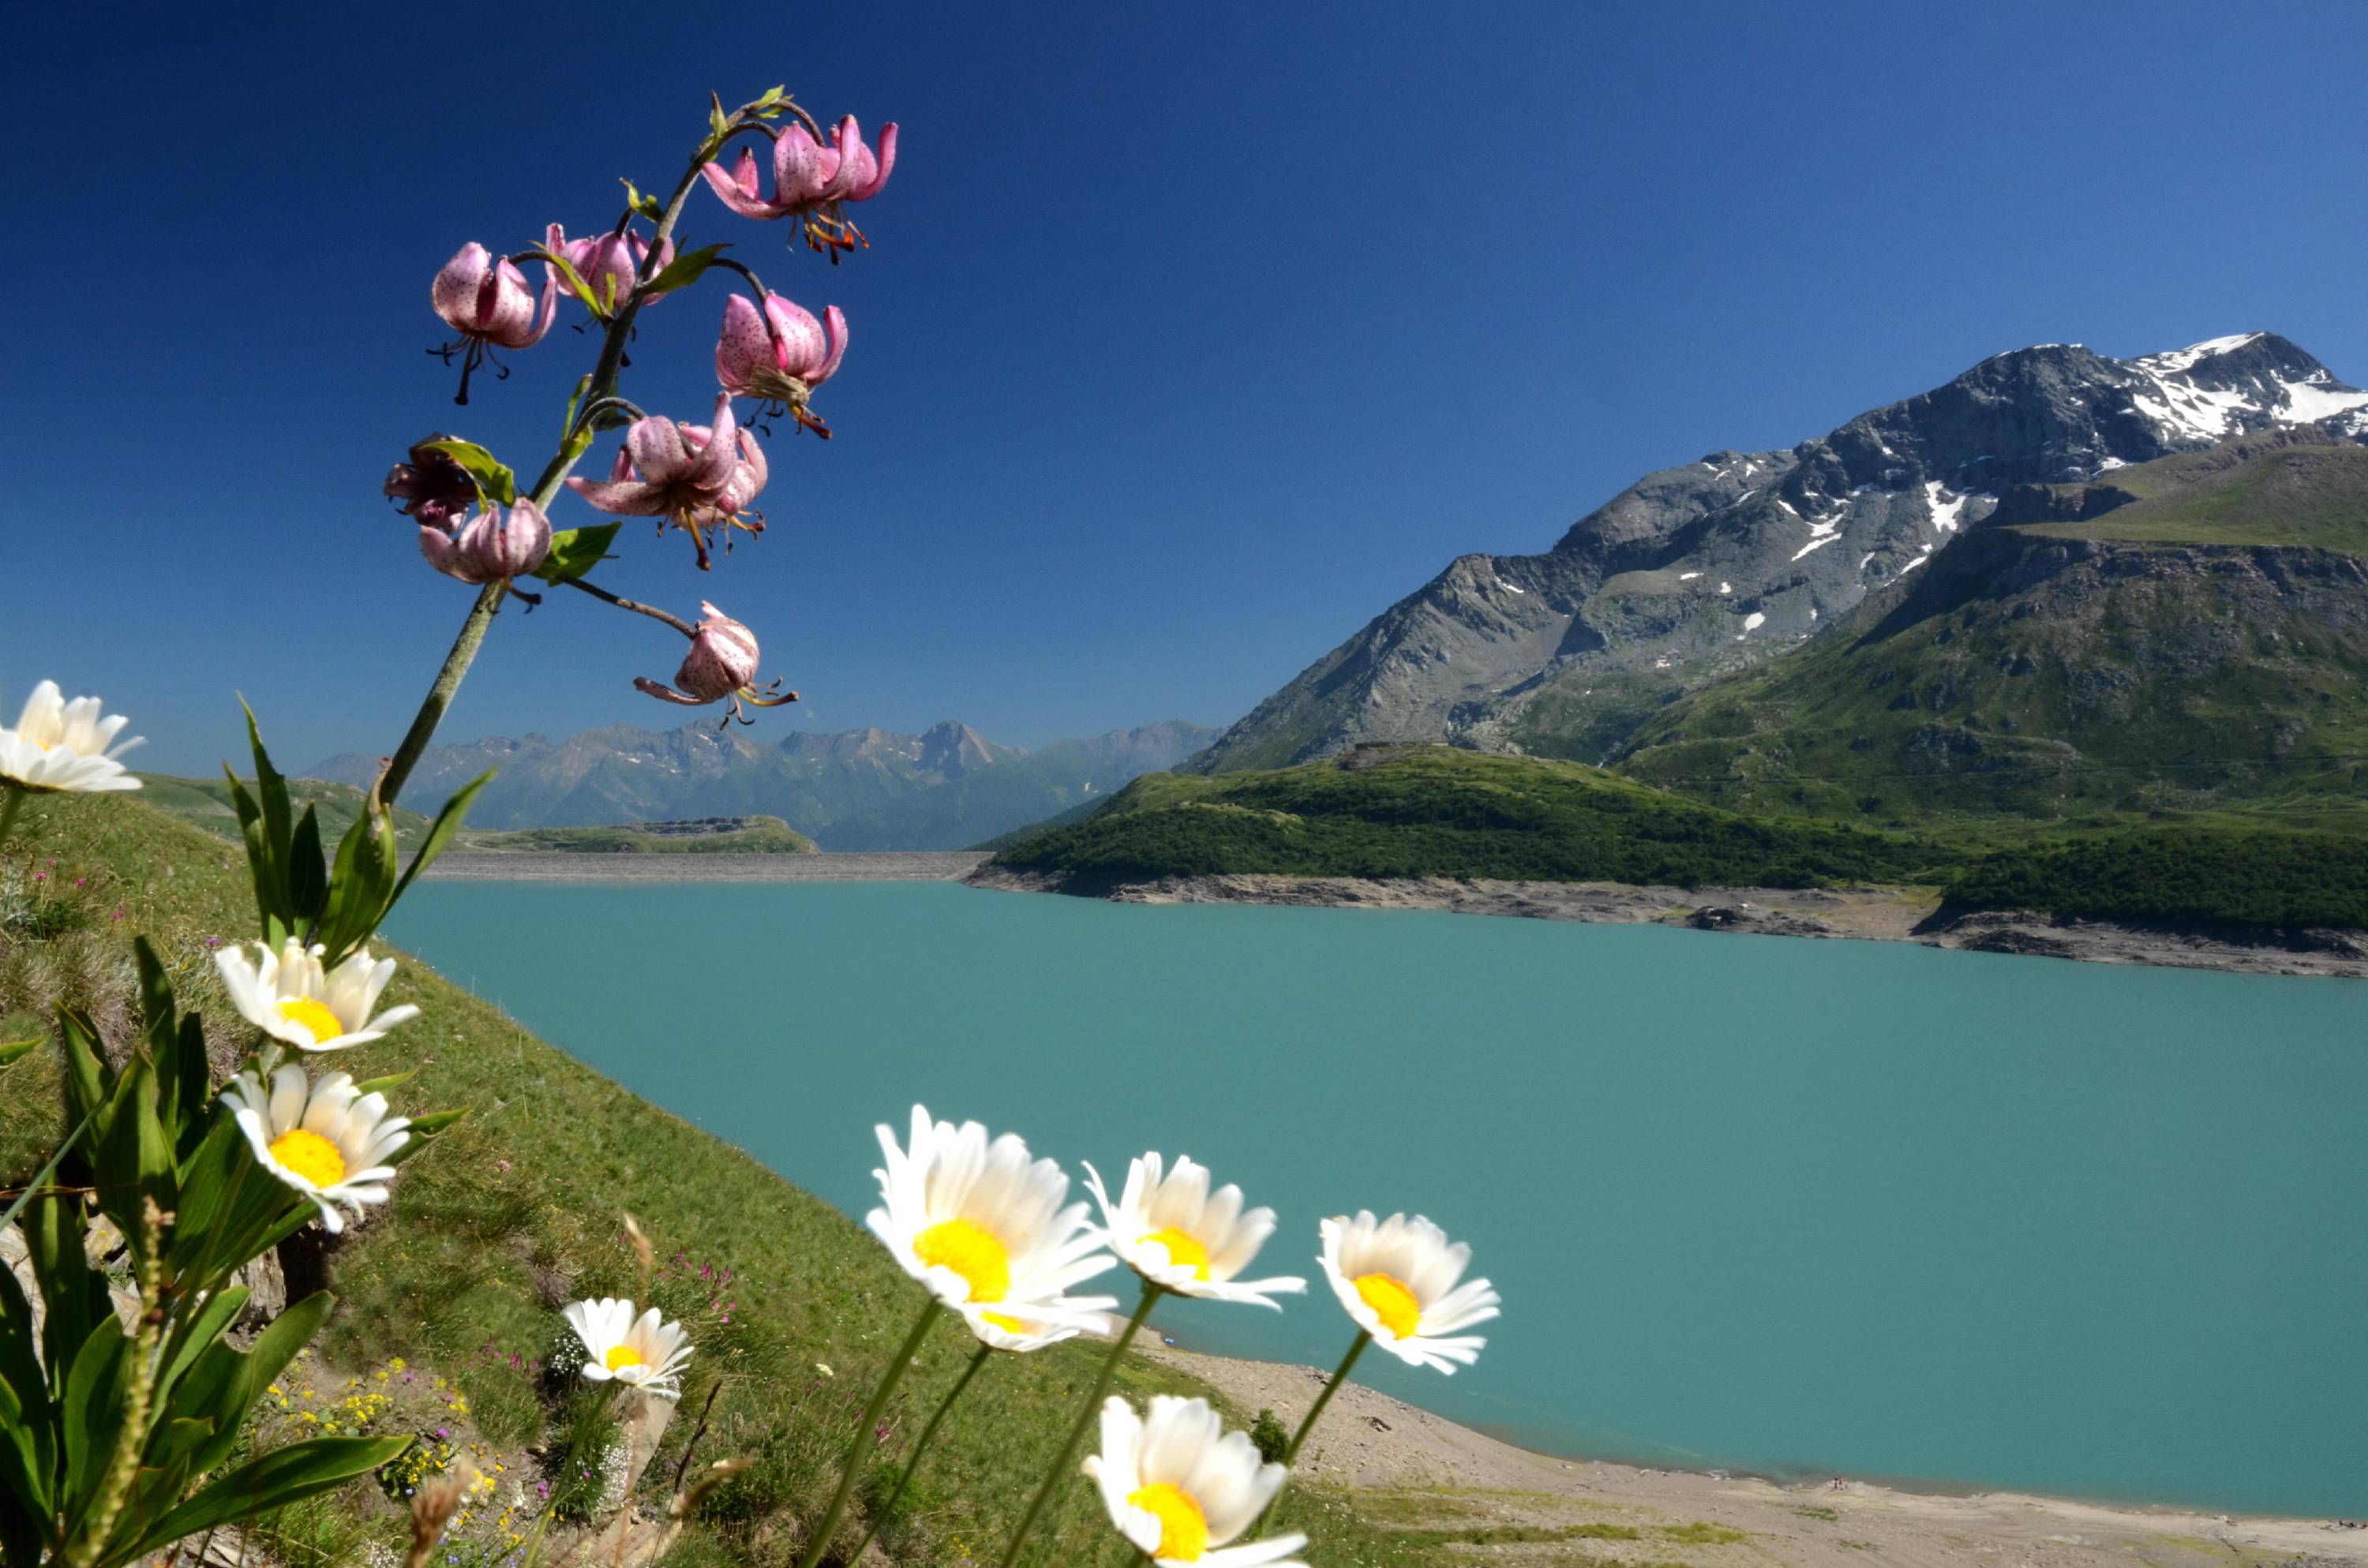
(1307,1425)
(1053,1477)
(888,1509)
(863,1433)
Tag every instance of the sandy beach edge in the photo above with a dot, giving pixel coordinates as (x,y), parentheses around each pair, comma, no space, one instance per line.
(1440,1475)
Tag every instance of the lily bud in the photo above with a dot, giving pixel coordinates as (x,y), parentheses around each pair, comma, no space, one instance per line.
(780,355)
(488,299)
(721,665)
(488,550)
(610,265)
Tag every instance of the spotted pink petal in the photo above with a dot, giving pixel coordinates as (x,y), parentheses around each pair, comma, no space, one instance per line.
(848,154)
(711,470)
(660,454)
(443,553)
(624,498)
(454,292)
(740,194)
(744,345)
(664,693)
(869,187)
(835,320)
(802,170)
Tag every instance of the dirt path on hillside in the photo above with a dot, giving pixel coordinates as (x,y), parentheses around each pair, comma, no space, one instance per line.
(1441,1476)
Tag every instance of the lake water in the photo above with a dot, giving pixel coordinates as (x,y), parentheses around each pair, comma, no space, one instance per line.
(1795,1206)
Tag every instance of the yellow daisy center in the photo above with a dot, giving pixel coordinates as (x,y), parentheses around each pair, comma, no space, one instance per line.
(621,1356)
(310,1155)
(1004,1322)
(1392,1302)
(1183,1529)
(314,1016)
(970,1250)
(1183,1251)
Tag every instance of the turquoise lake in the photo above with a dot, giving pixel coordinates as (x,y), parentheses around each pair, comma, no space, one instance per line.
(1790,1206)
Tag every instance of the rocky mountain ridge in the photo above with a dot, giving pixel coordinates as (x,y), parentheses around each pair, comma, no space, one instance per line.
(946,788)
(1698,570)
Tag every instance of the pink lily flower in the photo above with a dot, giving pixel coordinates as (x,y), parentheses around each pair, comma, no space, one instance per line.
(486,549)
(609,265)
(780,355)
(721,665)
(486,301)
(695,476)
(812,179)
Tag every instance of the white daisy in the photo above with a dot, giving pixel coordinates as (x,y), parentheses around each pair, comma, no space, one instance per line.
(321,1139)
(1179,1486)
(1174,1232)
(62,746)
(1397,1277)
(645,1353)
(289,996)
(984,1227)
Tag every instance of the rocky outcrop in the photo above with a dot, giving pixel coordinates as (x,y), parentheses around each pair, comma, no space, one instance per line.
(1699,570)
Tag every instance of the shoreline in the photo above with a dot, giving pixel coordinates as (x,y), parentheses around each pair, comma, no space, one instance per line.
(1861,914)
(1441,1475)
(582,866)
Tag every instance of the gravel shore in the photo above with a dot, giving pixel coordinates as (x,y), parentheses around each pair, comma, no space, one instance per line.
(1869,913)
(919,866)
(1442,1476)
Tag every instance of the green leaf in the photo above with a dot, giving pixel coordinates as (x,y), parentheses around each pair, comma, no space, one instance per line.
(278,817)
(223,1382)
(136,1158)
(281,1477)
(194,1337)
(574,551)
(573,279)
(423,1129)
(188,1124)
(686,268)
(439,832)
(13,1050)
(717,127)
(74,1295)
(91,1404)
(386,1085)
(493,478)
(308,870)
(89,1081)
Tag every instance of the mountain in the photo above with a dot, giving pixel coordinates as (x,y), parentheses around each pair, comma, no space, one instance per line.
(947,788)
(2186,634)
(1694,571)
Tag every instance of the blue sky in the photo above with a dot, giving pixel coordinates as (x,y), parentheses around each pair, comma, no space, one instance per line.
(1190,337)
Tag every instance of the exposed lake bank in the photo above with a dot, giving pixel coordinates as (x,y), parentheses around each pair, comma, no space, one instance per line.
(566,866)
(1444,1476)
(1866,913)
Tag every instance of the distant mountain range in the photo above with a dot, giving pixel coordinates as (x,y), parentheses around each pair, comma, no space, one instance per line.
(947,788)
(1698,571)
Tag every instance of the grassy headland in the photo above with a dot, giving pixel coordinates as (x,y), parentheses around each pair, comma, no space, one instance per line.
(705,836)
(517,1209)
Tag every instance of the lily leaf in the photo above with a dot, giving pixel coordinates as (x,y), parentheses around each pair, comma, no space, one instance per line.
(10,1050)
(574,551)
(493,480)
(686,268)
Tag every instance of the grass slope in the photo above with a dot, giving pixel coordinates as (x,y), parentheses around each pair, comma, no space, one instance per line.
(516,1210)
(1434,811)
(1388,812)
(205,802)
(738,836)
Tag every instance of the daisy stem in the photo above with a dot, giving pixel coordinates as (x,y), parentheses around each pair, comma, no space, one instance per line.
(1052,1478)
(9,810)
(920,1447)
(863,1430)
(1315,1413)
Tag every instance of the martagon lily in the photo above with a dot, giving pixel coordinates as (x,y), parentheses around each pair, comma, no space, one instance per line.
(488,549)
(486,301)
(811,179)
(720,665)
(779,353)
(697,477)
(609,265)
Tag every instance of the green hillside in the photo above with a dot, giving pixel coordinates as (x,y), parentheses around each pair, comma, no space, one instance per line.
(517,1209)
(1434,811)
(2184,636)
(205,802)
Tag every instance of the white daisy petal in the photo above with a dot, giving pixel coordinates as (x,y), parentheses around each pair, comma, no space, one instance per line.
(1182,1489)
(988,1230)
(318,1138)
(1170,1229)
(1396,1279)
(63,747)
